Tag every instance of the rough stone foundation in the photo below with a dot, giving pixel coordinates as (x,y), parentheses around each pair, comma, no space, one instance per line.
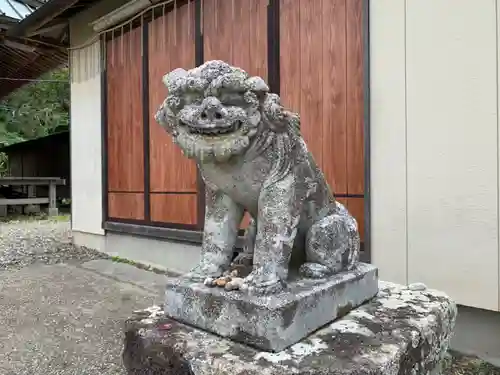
(404,331)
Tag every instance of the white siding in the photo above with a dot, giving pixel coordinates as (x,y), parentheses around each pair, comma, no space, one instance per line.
(86,156)
(434,109)
(388,139)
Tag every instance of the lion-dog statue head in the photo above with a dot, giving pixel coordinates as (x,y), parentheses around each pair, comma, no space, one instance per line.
(214,111)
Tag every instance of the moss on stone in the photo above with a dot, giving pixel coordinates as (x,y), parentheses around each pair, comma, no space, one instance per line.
(139,265)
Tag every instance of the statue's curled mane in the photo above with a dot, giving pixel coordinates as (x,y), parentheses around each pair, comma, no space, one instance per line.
(215,76)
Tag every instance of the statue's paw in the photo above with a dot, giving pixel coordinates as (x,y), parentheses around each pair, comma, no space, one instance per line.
(195,276)
(267,288)
(243,259)
(314,271)
(200,274)
(260,284)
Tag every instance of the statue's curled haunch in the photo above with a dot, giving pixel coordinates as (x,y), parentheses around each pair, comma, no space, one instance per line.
(253,158)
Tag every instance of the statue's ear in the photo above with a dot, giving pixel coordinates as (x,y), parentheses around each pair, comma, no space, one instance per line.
(171,80)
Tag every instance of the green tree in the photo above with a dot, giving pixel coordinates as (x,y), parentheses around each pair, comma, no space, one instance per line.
(37,109)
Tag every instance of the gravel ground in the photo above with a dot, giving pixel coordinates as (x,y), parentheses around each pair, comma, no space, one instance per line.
(62,319)
(58,317)
(44,241)
(466,365)
(78,315)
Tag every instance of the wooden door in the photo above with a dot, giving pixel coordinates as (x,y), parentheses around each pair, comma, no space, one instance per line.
(321,65)
(173,177)
(235,31)
(125,152)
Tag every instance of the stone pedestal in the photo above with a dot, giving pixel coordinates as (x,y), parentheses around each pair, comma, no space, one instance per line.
(271,322)
(401,331)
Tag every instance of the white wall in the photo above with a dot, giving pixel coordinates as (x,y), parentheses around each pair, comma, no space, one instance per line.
(435,145)
(86,156)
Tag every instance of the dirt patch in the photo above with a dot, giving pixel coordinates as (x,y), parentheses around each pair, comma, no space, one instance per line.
(466,365)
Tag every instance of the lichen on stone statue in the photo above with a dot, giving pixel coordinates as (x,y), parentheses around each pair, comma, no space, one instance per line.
(252,157)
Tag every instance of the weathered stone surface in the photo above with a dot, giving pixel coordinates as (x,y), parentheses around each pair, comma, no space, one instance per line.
(253,158)
(400,332)
(271,322)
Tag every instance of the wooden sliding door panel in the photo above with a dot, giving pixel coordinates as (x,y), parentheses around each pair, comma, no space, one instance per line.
(290,33)
(355,97)
(235,31)
(124,113)
(321,77)
(257,14)
(171,46)
(218,37)
(334,86)
(174,208)
(240,33)
(311,62)
(126,206)
(313,79)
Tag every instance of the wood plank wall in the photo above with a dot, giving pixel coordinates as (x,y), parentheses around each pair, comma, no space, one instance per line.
(321,49)
(240,42)
(173,177)
(321,77)
(125,153)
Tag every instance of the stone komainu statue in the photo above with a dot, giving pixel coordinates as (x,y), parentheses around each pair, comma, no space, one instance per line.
(252,157)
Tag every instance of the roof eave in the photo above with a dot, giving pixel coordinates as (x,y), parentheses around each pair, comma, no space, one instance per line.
(40,17)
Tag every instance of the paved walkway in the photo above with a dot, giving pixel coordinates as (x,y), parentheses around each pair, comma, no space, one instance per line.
(62,307)
(67,319)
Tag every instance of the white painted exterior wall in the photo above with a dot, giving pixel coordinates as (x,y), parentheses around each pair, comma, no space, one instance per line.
(86,155)
(435,145)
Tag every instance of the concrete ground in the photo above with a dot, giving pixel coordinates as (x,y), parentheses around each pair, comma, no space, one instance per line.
(67,318)
(62,307)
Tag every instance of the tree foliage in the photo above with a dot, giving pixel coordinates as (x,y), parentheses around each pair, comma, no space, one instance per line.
(37,109)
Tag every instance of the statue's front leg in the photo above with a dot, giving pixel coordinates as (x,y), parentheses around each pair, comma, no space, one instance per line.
(222,220)
(278,218)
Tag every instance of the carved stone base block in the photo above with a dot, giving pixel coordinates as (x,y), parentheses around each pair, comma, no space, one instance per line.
(271,322)
(404,330)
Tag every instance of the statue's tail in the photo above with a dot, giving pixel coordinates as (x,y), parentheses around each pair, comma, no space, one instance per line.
(353,235)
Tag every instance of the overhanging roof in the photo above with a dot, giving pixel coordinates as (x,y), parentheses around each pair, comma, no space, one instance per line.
(34,38)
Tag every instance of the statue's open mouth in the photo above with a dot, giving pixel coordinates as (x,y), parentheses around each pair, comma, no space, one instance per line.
(215,130)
